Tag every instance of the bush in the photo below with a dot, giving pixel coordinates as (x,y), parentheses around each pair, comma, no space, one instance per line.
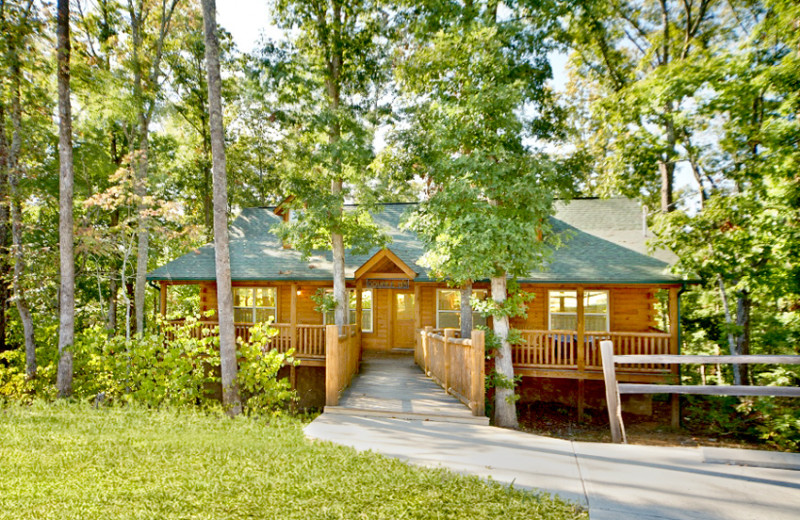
(261,389)
(178,368)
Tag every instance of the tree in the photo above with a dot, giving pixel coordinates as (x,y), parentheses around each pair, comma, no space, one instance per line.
(146,84)
(624,52)
(471,90)
(66,330)
(17,32)
(330,77)
(227,334)
(744,242)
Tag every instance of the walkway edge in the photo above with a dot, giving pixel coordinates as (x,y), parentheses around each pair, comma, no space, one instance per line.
(408,416)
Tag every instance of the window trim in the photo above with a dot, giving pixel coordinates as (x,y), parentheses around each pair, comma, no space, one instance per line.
(254,307)
(606,314)
(371,311)
(457,312)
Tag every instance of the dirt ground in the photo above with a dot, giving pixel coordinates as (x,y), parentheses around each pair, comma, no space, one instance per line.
(560,421)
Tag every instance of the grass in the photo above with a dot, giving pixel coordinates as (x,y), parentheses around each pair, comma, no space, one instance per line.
(71,461)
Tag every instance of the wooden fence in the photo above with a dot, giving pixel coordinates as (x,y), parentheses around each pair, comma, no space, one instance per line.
(308,341)
(614,389)
(457,365)
(342,360)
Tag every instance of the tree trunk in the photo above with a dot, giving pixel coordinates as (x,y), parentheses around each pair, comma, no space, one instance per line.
(140,169)
(743,306)
(341,314)
(16,218)
(111,317)
(334,66)
(143,228)
(666,166)
(466,310)
(227,334)
(4,263)
(505,407)
(145,111)
(737,374)
(66,330)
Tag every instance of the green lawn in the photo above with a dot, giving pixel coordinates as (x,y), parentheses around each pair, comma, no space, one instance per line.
(70,461)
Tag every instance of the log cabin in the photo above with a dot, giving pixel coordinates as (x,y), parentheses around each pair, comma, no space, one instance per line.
(601,284)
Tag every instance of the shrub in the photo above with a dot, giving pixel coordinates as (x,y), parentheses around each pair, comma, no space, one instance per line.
(178,367)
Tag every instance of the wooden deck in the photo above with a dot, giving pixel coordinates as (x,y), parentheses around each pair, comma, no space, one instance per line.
(391,385)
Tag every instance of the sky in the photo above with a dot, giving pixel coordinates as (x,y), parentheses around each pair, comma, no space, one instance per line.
(246,20)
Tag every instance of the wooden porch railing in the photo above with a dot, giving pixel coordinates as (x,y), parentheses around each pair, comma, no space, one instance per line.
(342,361)
(546,349)
(561,349)
(457,365)
(310,342)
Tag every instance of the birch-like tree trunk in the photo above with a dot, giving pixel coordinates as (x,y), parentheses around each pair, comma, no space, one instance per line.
(66,329)
(339,288)
(145,109)
(334,64)
(227,334)
(505,406)
(466,310)
(16,221)
(732,344)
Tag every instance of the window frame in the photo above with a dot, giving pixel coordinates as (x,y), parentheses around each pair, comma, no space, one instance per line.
(458,311)
(606,315)
(255,307)
(353,310)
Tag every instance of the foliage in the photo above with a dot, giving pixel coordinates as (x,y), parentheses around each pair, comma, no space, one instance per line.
(323,300)
(264,467)
(258,370)
(327,80)
(774,421)
(514,306)
(181,370)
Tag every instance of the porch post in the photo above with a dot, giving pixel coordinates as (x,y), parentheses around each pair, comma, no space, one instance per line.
(332,365)
(417,310)
(293,317)
(673,349)
(448,335)
(426,354)
(163,295)
(359,311)
(478,372)
(581,352)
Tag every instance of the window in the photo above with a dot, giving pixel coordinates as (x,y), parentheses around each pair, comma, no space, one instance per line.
(448,308)
(254,304)
(329,317)
(564,310)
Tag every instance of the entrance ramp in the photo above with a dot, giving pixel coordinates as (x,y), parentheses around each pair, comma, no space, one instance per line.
(391,385)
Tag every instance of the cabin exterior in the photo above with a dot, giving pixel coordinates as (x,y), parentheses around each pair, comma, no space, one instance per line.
(600,285)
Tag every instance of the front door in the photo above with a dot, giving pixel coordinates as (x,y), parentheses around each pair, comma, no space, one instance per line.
(403,320)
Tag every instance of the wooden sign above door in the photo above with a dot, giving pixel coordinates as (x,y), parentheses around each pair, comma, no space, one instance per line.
(380,283)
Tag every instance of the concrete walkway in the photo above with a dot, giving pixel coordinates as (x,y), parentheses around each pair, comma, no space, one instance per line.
(618,482)
(389,384)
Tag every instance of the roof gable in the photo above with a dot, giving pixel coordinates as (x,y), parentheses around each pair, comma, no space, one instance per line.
(385,262)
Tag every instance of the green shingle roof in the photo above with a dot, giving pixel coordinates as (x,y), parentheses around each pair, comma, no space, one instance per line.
(257,254)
